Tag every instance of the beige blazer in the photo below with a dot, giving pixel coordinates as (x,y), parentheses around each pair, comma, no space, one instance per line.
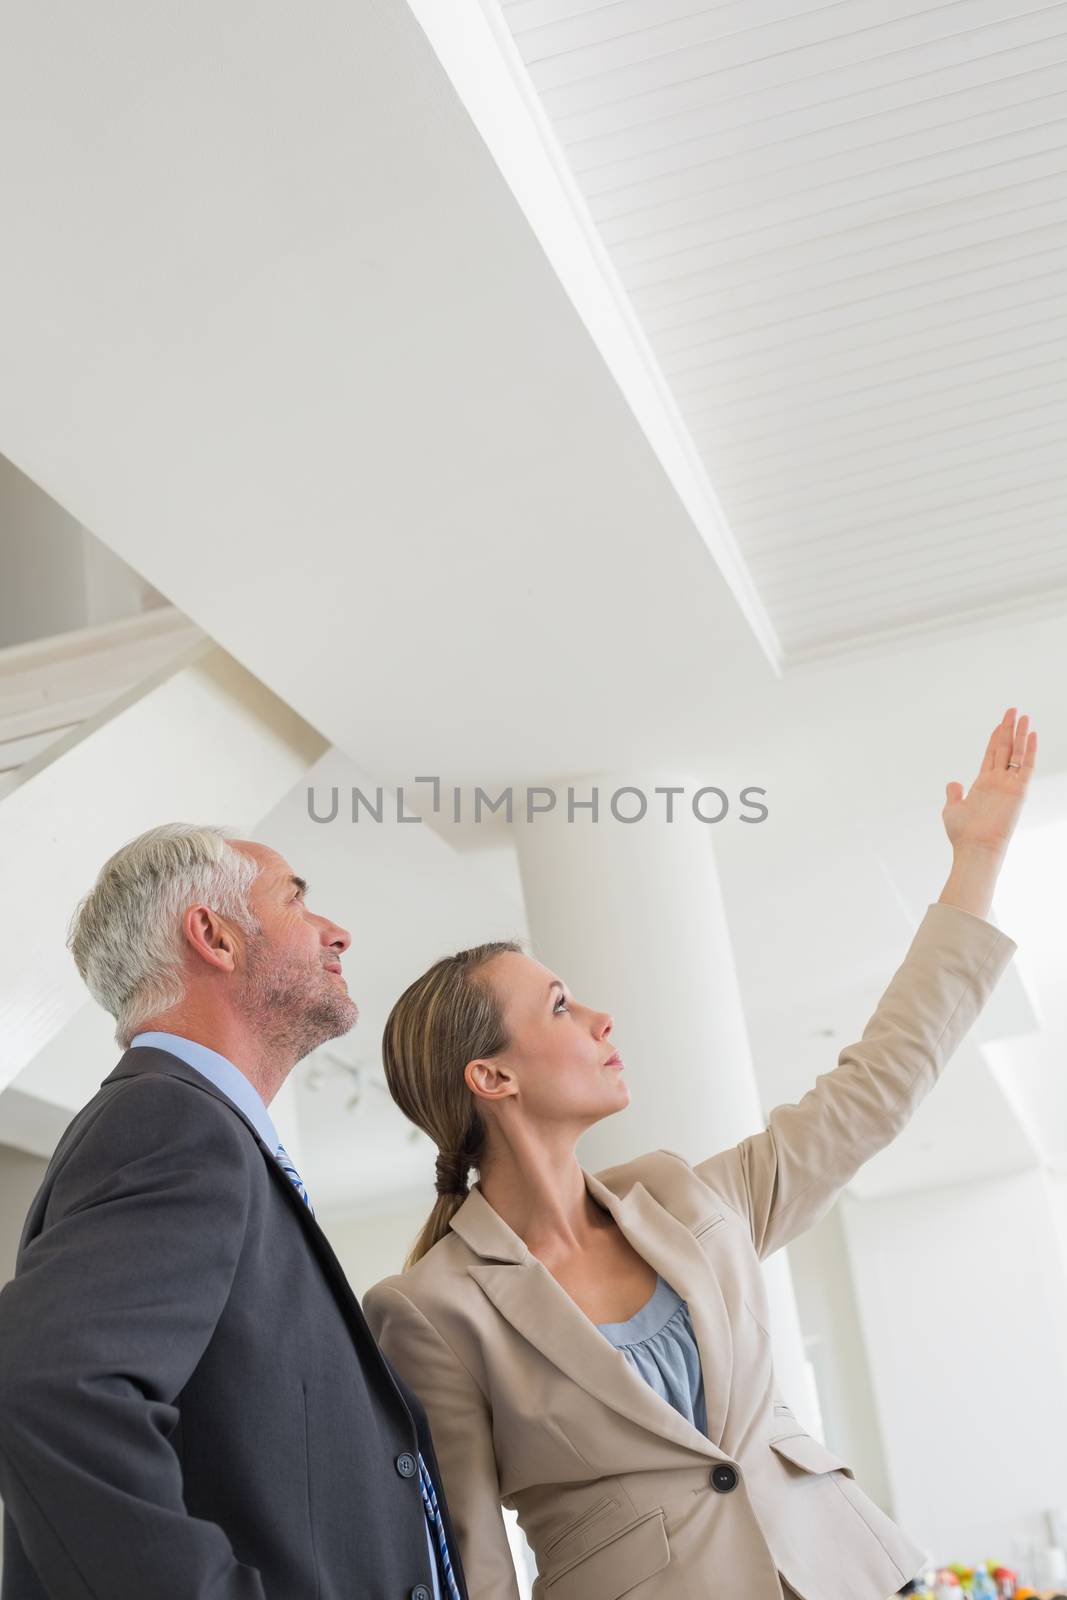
(531,1407)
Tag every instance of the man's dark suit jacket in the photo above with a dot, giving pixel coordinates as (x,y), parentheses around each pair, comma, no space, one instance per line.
(191,1404)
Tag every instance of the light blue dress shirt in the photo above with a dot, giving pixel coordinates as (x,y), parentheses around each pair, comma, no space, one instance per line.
(241,1093)
(659,1344)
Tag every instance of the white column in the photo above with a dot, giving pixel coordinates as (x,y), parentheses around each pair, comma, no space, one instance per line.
(631,916)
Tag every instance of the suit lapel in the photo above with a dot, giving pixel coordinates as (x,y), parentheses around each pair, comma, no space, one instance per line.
(528,1297)
(667,1244)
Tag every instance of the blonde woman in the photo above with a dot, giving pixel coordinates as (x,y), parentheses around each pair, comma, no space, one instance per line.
(592,1350)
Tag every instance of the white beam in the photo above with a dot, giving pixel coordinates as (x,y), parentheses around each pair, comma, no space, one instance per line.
(475,46)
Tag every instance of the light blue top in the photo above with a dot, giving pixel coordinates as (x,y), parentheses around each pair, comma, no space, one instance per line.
(242,1093)
(659,1344)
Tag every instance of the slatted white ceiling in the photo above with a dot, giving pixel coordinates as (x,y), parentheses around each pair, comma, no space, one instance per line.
(844,230)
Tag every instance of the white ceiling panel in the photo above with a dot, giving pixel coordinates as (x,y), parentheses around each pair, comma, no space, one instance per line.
(843,229)
(667,143)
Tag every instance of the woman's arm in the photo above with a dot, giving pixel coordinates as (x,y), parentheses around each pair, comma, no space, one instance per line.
(462,1437)
(784,1179)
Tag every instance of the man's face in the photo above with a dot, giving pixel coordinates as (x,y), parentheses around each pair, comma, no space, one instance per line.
(293,985)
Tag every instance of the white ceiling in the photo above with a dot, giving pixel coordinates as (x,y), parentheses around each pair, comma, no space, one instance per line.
(844,231)
(320,385)
(356,431)
(316,379)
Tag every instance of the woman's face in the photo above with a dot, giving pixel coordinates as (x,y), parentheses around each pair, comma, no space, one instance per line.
(560,1065)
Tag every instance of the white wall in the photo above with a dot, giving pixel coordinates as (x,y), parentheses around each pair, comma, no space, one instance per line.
(1057,1190)
(20,1179)
(834,1344)
(112,589)
(372,1245)
(962,1295)
(54,575)
(42,575)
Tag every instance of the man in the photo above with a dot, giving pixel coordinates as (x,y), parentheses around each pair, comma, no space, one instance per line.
(191,1404)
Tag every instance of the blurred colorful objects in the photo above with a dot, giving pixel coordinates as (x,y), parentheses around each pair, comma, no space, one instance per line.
(986,1581)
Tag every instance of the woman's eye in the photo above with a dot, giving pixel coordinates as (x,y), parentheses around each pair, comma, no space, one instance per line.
(561,1002)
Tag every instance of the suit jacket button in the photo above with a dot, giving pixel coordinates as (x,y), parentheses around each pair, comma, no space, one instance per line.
(406,1465)
(724,1479)
(420,1592)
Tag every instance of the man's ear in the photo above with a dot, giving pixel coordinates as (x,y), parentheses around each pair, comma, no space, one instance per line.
(210,938)
(489,1080)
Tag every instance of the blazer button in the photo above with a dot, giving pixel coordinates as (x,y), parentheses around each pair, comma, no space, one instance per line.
(724,1479)
(406,1465)
(420,1592)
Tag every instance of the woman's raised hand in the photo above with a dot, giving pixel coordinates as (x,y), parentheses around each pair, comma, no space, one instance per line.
(984,818)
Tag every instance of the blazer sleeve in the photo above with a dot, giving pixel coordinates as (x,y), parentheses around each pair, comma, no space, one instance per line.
(115,1300)
(462,1437)
(784,1179)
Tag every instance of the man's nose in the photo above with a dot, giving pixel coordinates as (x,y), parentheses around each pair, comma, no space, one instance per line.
(336,938)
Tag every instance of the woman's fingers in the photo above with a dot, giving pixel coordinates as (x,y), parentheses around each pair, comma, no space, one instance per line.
(1012,745)
(1018,745)
(1003,739)
(990,762)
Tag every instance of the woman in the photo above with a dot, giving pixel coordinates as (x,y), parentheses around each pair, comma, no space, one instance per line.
(592,1351)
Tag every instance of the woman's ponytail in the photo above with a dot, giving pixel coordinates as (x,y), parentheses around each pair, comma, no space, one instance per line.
(444,1019)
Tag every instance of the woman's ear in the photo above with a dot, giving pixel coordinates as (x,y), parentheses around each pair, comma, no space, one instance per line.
(489,1080)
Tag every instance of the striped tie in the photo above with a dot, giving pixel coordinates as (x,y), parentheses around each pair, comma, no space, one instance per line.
(436,1521)
(281,1155)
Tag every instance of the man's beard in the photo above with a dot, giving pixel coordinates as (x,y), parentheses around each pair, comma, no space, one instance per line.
(297,1006)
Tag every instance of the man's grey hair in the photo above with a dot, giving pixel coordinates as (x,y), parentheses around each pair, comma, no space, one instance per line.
(126,934)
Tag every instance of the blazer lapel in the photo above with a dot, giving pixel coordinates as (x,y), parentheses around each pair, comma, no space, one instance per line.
(133,1063)
(528,1297)
(667,1244)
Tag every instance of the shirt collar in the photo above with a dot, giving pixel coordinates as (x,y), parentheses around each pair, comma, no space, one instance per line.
(222,1073)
